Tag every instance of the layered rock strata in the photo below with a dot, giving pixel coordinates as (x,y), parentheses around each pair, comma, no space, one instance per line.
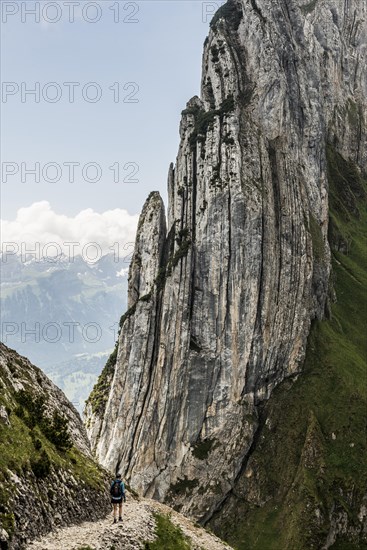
(221,301)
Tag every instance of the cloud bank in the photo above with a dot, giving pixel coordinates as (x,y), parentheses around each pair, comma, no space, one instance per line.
(38,227)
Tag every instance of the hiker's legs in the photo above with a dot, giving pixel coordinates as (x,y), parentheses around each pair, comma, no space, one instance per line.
(120,510)
(114,511)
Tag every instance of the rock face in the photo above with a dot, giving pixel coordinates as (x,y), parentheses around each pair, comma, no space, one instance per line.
(47,475)
(222,301)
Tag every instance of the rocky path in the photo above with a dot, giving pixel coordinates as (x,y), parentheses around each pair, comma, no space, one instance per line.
(137,527)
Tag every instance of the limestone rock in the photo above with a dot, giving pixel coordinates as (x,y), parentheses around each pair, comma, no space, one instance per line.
(4,537)
(221,307)
(4,419)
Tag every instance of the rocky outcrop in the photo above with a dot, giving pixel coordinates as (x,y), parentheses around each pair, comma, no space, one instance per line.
(221,304)
(47,475)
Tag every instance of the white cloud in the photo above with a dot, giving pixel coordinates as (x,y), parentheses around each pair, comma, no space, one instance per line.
(123,272)
(38,225)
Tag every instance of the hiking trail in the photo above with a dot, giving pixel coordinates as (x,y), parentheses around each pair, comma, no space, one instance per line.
(138,526)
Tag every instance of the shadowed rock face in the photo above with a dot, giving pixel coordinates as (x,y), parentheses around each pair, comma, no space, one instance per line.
(221,302)
(44,484)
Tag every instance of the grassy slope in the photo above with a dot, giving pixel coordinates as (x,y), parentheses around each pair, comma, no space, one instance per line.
(311,451)
(22,447)
(168,536)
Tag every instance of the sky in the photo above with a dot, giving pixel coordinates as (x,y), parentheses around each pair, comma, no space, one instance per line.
(110,79)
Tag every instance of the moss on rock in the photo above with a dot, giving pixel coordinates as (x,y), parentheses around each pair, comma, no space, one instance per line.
(202,448)
(230,12)
(99,395)
(182,486)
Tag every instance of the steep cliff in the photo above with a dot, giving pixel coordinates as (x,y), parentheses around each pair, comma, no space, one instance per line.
(221,303)
(47,475)
(304,483)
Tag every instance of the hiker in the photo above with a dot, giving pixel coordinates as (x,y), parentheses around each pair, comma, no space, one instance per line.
(117,491)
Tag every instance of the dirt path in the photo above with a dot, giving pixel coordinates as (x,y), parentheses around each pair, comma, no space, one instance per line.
(138,526)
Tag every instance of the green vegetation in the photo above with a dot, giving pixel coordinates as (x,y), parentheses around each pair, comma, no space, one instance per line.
(183,235)
(32,410)
(161,278)
(216,175)
(230,12)
(344,544)
(310,453)
(215,53)
(169,537)
(182,486)
(131,312)
(228,140)
(180,253)
(204,120)
(39,447)
(146,297)
(41,467)
(228,105)
(127,315)
(308,8)
(99,395)
(194,345)
(184,243)
(7,522)
(37,443)
(345,192)
(153,196)
(202,448)
(353,113)
(317,240)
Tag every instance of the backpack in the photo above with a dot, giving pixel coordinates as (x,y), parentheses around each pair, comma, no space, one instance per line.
(117,490)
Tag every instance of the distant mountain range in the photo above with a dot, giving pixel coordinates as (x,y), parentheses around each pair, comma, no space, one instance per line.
(63,315)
